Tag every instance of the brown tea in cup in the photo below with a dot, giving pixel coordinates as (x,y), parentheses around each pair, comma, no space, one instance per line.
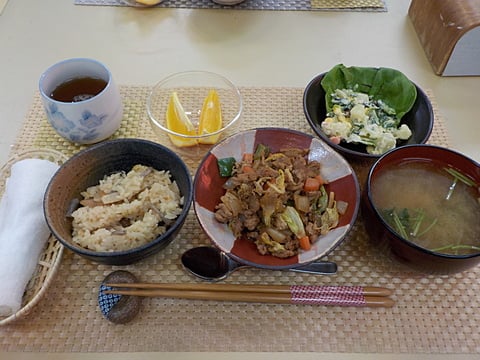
(78,89)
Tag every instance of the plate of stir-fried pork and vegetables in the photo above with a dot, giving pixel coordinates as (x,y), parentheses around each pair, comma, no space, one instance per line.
(275,198)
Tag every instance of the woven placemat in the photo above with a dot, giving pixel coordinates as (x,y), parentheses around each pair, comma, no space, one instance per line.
(433,314)
(319,5)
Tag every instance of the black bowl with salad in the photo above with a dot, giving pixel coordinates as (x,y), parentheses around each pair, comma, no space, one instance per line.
(363,112)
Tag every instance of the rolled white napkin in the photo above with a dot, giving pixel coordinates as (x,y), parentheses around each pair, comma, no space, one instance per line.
(23,229)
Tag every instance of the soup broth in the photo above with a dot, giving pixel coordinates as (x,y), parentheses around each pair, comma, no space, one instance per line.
(428,206)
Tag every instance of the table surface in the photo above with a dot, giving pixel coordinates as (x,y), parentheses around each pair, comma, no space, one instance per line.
(252,48)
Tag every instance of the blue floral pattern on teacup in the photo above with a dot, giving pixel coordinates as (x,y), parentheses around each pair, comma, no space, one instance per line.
(86,132)
(58,120)
(90,120)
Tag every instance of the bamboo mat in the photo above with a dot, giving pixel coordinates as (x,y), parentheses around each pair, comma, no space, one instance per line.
(433,314)
(292,5)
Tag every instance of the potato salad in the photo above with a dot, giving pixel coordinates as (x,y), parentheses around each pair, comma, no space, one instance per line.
(356,117)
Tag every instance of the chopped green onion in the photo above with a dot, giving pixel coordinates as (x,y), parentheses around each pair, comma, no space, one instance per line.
(456,247)
(458,175)
(428,228)
(398,225)
(418,222)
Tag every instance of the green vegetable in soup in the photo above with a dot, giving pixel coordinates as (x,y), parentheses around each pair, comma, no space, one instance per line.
(388,85)
(455,249)
(457,176)
(408,222)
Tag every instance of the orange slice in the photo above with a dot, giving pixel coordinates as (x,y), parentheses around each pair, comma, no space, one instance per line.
(178,121)
(210,118)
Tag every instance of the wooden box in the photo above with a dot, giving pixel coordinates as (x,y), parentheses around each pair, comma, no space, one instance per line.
(449,31)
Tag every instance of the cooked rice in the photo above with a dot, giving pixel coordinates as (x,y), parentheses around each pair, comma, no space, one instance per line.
(126,210)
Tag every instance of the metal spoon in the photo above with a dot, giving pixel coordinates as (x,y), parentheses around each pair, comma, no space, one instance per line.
(212,264)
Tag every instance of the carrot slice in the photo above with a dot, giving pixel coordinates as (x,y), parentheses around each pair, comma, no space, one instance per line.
(247,157)
(247,169)
(311,184)
(320,179)
(305,243)
(335,139)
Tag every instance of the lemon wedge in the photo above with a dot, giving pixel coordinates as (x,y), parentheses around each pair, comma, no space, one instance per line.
(210,118)
(178,121)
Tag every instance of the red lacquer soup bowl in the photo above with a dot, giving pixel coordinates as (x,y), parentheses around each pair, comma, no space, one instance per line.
(410,252)
(208,188)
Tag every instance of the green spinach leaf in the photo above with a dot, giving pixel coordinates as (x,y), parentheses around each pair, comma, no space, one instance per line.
(388,85)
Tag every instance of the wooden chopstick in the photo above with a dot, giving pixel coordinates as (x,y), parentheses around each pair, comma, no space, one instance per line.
(285,289)
(279,294)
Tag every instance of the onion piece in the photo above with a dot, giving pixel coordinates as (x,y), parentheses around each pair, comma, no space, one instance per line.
(229,184)
(342,207)
(331,199)
(302,203)
(276,235)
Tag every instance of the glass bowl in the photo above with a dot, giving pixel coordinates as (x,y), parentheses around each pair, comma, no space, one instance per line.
(192,88)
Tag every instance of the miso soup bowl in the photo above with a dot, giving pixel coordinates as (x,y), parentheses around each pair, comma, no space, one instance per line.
(399,248)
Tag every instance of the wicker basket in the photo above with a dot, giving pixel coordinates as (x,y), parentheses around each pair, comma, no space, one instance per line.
(50,258)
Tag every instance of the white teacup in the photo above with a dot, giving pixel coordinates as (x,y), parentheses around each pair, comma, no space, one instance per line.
(88,117)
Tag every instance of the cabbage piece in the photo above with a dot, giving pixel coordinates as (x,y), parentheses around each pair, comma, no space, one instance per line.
(270,203)
(294,221)
(279,184)
(232,202)
(329,220)
(273,246)
(322,202)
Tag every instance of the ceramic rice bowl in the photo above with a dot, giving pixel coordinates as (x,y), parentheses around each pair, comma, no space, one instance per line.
(88,167)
